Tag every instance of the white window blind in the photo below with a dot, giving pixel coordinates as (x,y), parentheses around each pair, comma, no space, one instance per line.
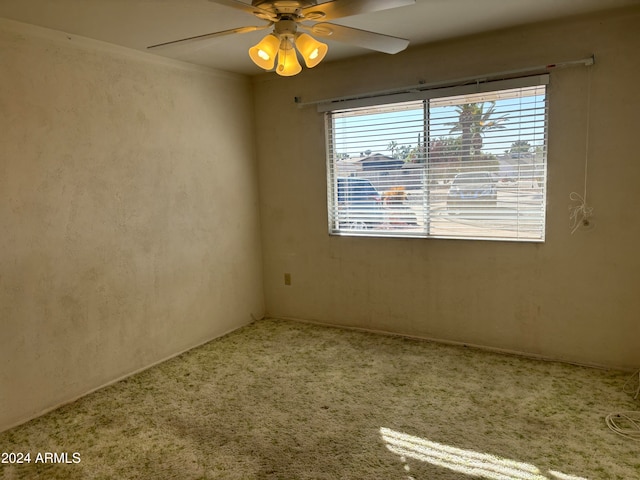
(469,166)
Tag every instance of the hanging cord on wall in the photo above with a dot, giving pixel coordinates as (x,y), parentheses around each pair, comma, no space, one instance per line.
(580,214)
(627,424)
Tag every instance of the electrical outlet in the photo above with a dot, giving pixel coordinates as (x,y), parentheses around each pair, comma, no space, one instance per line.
(287,279)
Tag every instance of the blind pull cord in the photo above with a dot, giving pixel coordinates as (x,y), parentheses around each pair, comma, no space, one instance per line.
(581,213)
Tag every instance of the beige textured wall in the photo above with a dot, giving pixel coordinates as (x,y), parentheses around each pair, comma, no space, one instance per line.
(129,214)
(575,297)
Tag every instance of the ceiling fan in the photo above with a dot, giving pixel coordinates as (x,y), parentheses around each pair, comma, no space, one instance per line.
(288,17)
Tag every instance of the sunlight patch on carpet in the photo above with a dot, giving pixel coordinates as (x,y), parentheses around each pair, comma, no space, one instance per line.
(464,461)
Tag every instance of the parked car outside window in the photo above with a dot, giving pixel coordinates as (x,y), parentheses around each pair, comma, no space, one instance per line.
(471,190)
(357,191)
(362,207)
(359,204)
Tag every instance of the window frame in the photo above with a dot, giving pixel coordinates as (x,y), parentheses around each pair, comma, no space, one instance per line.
(331,109)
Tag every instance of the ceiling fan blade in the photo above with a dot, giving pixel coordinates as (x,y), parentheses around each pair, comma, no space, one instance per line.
(360,38)
(258,12)
(207,36)
(346,8)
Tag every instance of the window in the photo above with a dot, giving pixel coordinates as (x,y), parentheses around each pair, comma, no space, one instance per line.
(445,163)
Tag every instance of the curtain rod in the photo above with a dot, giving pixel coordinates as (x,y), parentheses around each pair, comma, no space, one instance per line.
(460,81)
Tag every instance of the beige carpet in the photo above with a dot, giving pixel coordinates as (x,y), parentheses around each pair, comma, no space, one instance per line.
(285,400)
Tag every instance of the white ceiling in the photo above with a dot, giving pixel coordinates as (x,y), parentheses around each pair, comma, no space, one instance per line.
(139,23)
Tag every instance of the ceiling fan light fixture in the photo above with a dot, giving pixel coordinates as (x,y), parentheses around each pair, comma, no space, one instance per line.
(264,52)
(312,51)
(279,50)
(288,64)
